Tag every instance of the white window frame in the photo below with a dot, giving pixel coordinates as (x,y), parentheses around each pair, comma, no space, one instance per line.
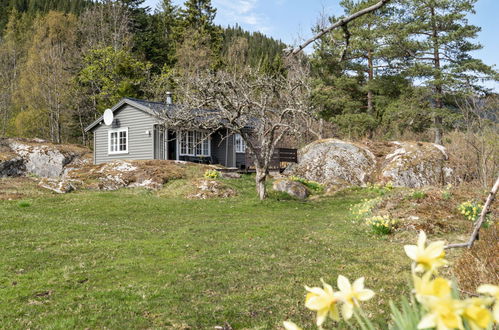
(239,144)
(192,140)
(117,131)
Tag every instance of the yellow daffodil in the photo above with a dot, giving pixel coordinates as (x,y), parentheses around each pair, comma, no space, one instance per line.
(492,290)
(443,313)
(288,325)
(350,294)
(425,286)
(476,313)
(428,258)
(323,301)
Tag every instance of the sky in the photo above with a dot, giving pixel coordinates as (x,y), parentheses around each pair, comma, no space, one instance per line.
(291,21)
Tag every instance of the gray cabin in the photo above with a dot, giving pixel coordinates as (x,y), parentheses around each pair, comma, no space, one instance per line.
(136,133)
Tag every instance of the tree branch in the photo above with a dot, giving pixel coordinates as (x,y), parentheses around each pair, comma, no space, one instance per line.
(339,23)
(478,224)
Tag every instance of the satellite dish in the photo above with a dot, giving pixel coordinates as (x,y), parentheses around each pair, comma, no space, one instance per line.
(108,117)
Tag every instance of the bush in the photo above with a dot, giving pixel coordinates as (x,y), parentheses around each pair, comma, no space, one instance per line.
(211,174)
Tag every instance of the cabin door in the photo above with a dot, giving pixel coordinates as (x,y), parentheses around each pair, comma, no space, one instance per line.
(172,145)
(160,142)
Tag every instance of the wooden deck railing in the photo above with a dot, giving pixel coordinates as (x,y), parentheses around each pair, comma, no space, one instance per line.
(280,159)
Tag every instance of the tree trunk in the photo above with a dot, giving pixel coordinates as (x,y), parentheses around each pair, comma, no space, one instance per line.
(261,177)
(437,117)
(370,77)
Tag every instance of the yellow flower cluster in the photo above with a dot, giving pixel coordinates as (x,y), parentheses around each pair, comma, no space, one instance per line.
(470,210)
(382,224)
(325,301)
(443,310)
(364,209)
(211,174)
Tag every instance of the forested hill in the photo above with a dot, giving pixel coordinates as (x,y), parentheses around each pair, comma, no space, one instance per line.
(62,62)
(39,6)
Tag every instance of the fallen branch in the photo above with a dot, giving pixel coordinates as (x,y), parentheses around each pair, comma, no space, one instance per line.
(339,23)
(481,219)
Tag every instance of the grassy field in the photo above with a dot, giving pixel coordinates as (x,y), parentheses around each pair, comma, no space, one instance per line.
(136,259)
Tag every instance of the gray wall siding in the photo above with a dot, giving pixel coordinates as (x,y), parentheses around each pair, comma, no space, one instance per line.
(140,144)
(240,159)
(224,156)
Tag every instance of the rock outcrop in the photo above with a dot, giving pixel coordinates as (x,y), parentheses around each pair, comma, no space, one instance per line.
(415,165)
(149,174)
(206,189)
(292,188)
(334,162)
(36,157)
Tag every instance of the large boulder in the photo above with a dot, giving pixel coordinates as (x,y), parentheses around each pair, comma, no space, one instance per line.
(44,159)
(334,162)
(415,164)
(292,188)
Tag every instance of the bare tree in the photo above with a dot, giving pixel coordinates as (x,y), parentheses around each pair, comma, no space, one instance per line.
(262,108)
(106,23)
(343,22)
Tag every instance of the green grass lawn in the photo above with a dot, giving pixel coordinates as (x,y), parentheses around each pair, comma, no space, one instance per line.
(135,259)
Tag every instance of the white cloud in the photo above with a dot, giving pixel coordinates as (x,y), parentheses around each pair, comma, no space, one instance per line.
(243,12)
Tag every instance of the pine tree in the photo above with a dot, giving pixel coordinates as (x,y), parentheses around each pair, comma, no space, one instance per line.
(440,42)
(197,21)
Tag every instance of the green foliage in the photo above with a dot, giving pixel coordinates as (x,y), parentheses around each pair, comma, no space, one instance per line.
(356,125)
(110,75)
(418,194)
(406,316)
(314,186)
(24,204)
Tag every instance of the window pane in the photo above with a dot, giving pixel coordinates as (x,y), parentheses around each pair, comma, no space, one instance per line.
(123,141)
(199,141)
(190,142)
(183,142)
(206,148)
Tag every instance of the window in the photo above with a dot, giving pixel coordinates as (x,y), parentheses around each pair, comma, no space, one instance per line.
(240,144)
(118,141)
(194,143)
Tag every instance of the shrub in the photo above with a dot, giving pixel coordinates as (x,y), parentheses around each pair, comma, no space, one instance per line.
(211,174)
(382,225)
